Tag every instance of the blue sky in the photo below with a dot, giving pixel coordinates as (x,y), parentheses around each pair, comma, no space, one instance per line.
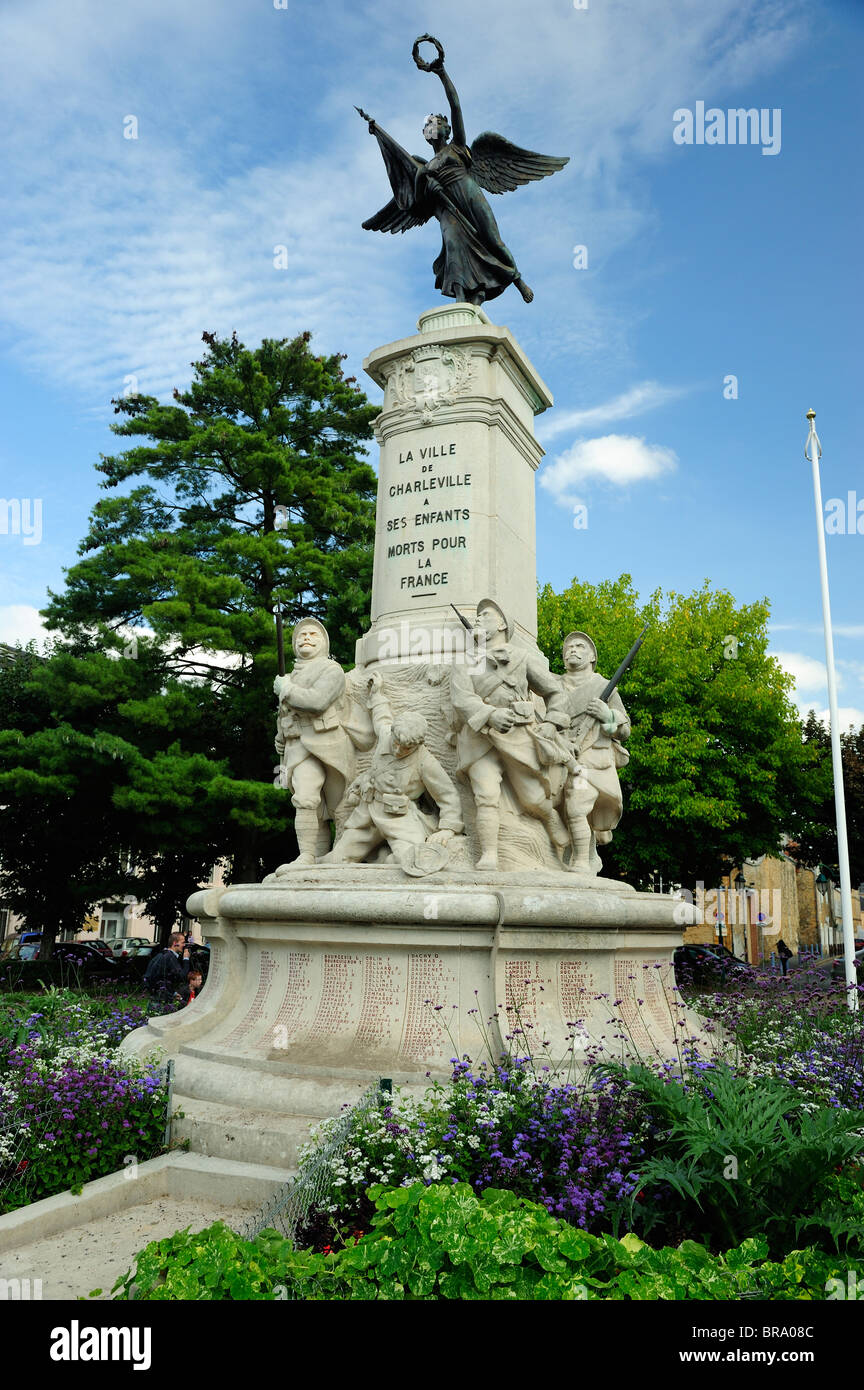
(704,261)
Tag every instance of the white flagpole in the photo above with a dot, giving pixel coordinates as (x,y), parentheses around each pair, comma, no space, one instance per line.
(813,452)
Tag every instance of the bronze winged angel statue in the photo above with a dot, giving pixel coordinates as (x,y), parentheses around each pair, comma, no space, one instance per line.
(474,264)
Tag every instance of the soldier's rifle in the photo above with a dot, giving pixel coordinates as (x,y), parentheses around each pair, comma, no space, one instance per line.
(280,640)
(463,620)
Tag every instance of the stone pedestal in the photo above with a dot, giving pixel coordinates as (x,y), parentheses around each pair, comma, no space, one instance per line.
(322,985)
(455,519)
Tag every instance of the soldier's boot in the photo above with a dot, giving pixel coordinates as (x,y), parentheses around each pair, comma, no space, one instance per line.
(580,839)
(556,831)
(487,834)
(323,842)
(306,828)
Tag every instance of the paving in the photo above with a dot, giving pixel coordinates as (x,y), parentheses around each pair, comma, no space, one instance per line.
(71,1264)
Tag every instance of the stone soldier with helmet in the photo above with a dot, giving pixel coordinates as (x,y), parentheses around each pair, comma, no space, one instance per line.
(595,729)
(316,754)
(498,725)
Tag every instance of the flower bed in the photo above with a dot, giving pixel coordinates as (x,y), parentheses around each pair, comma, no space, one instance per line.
(70,1111)
(798,1030)
(572,1146)
(739,1159)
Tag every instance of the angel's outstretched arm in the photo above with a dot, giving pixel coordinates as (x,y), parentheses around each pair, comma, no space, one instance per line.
(456,121)
(400,165)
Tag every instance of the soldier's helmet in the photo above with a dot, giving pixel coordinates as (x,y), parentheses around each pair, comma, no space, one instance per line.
(585,638)
(508,622)
(310,622)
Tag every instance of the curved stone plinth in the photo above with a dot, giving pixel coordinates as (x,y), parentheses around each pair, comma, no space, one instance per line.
(327,980)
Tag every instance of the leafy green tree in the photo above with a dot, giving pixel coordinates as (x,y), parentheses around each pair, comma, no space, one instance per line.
(815,840)
(76,765)
(59,852)
(248,494)
(719,769)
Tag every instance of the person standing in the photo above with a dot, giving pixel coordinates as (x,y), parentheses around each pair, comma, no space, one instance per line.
(167,973)
(498,728)
(784,955)
(597,728)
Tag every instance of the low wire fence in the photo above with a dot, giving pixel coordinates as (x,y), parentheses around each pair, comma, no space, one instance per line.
(288,1210)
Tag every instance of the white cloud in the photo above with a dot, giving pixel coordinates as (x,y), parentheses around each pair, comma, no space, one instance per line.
(807,673)
(19,622)
(648,395)
(621,459)
(811,686)
(846,715)
(117,253)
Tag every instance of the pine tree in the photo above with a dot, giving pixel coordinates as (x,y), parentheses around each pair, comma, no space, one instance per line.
(250,492)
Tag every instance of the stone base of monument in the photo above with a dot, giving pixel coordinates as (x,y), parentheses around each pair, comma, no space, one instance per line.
(327,980)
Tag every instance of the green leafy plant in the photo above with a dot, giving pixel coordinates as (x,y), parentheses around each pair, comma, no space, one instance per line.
(739,1160)
(443,1242)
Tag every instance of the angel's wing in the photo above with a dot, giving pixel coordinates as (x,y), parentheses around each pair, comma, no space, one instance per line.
(403,211)
(500,166)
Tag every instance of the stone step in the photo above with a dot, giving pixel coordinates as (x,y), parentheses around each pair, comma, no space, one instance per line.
(241,1134)
(205,1074)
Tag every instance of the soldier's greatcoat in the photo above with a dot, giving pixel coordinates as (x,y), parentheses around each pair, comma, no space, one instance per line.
(312,708)
(600,754)
(510,675)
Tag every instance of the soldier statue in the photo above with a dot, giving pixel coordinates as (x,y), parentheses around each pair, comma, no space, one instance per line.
(383,800)
(594,729)
(501,735)
(316,754)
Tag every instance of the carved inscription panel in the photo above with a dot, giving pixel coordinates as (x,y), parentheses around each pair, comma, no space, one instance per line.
(430,993)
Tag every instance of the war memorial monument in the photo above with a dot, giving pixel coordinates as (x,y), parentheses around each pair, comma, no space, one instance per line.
(452,795)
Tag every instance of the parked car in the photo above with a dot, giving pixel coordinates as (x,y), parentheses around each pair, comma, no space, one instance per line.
(139,957)
(21,948)
(80,956)
(144,952)
(122,947)
(708,965)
